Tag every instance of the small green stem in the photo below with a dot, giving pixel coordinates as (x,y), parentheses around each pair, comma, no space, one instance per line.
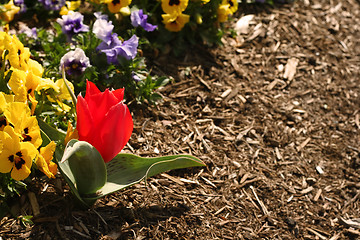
(72,94)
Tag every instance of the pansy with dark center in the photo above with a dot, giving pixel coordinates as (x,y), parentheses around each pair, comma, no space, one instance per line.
(174,2)
(174,7)
(16,157)
(72,24)
(75,62)
(26,136)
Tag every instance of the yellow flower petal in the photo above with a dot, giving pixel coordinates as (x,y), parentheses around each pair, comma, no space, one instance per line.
(35,67)
(223,12)
(114,6)
(46,84)
(5,141)
(233,5)
(16,112)
(16,156)
(71,133)
(17,83)
(22,164)
(174,23)
(9,11)
(174,6)
(30,131)
(44,162)
(18,54)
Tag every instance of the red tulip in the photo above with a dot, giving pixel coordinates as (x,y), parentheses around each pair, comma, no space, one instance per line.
(103,120)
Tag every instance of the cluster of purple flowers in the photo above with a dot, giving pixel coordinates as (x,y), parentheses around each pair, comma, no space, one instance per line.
(111,44)
(54,5)
(75,62)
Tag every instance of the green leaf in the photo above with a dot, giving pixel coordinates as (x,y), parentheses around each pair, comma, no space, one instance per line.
(84,167)
(50,132)
(127,169)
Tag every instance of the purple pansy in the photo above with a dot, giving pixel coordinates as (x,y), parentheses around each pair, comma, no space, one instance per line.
(102,28)
(55,5)
(138,18)
(72,23)
(115,48)
(128,49)
(75,62)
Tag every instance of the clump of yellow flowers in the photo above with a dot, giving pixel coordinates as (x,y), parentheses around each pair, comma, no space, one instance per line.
(21,81)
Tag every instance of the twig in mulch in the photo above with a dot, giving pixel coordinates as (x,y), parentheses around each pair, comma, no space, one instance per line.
(262,205)
(316,233)
(352,200)
(62,235)
(34,203)
(349,223)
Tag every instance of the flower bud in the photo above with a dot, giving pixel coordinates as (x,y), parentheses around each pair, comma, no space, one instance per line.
(198,18)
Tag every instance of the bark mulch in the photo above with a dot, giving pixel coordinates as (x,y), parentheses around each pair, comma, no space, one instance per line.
(275,115)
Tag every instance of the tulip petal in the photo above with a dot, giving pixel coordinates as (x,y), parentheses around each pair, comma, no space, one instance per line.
(91,89)
(115,130)
(119,94)
(99,104)
(84,119)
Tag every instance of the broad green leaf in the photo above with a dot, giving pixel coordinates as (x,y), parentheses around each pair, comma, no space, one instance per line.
(86,165)
(127,169)
(51,133)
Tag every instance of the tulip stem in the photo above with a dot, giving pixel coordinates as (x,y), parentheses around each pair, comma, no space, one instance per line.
(72,94)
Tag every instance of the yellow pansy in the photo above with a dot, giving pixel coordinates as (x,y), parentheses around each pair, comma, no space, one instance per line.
(4,40)
(70,6)
(174,23)
(17,83)
(18,54)
(4,100)
(46,84)
(114,6)
(35,67)
(25,125)
(16,157)
(8,11)
(44,162)
(232,3)
(32,81)
(174,6)
(223,12)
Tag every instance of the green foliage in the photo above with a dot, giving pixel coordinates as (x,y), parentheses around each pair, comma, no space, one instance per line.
(9,189)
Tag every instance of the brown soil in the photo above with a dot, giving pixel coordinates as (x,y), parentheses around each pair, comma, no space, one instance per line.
(282,150)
